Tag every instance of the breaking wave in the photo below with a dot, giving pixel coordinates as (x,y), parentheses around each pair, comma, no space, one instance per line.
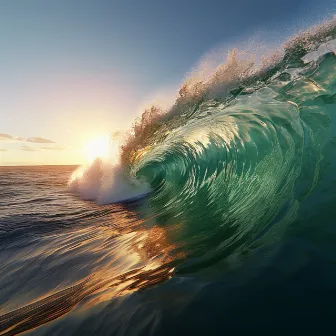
(239,157)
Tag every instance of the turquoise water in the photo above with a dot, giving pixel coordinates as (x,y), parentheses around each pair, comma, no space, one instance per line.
(250,168)
(228,224)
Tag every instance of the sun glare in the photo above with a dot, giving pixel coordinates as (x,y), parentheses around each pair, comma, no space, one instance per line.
(98,147)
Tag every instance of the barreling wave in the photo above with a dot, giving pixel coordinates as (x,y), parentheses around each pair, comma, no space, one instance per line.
(240,155)
(233,161)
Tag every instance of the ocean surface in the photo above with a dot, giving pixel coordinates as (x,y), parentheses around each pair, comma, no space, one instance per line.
(219,218)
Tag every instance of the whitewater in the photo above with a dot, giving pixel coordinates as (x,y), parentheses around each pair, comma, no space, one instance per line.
(217,216)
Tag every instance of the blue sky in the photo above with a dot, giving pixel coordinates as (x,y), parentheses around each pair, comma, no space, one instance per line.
(74,70)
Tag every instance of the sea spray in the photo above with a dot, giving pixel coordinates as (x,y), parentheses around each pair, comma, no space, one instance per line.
(105,183)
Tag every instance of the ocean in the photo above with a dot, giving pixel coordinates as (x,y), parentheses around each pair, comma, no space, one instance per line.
(218,218)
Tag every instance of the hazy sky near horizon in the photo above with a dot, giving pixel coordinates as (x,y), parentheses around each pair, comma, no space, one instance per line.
(74,70)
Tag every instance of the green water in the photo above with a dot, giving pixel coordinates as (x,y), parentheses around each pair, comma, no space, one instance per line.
(242,172)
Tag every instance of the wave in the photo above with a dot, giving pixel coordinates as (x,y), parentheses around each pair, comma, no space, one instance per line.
(244,152)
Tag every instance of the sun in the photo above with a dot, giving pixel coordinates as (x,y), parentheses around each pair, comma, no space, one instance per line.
(99,147)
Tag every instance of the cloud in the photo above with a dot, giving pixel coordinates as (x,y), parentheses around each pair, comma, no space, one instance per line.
(3,150)
(59,148)
(29,149)
(4,137)
(39,140)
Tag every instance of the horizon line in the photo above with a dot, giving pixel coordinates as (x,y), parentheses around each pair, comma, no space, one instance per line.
(39,165)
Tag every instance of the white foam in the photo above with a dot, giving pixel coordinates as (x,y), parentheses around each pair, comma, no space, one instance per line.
(106,183)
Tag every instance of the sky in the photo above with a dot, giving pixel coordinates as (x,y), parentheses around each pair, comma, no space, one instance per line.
(74,71)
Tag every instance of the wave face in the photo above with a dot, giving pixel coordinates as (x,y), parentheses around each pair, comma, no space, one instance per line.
(232,168)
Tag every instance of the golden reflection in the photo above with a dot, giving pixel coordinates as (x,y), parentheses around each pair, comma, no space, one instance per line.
(122,256)
(150,250)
